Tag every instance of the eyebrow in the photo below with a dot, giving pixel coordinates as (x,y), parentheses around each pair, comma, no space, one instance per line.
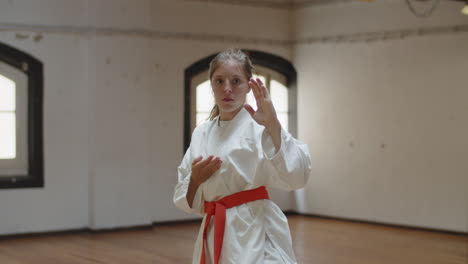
(221,76)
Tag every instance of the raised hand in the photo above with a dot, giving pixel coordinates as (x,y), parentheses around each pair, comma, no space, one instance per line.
(204,169)
(266,113)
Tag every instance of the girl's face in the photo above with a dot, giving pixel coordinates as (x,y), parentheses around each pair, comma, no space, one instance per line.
(230,86)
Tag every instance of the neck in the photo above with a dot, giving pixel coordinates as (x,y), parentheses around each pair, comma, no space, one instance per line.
(227,116)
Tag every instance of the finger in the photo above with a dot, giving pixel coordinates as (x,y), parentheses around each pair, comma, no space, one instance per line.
(252,86)
(261,86)
(266,93)
(259,81)
(195,161)
(255,89)
(214,165)
(249,109)
(205,162)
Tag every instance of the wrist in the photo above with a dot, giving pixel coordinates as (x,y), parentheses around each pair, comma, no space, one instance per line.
(274,129)
(274,125)
(193,183)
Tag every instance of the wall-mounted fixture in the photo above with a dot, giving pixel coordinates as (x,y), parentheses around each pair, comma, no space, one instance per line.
(430,6)
(422,13)
(464,10)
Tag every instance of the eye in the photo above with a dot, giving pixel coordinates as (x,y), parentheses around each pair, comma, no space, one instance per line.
(236,81)
(218,81)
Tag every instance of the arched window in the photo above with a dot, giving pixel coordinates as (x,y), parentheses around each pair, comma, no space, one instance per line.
(278,75)
(21,154)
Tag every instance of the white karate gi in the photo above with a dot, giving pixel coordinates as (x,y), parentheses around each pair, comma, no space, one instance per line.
(256,232)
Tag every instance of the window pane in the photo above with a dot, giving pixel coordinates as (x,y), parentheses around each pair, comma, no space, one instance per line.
(7,94)
(205,99)
(261,77)
(283,118)
(7,136)
(279,96)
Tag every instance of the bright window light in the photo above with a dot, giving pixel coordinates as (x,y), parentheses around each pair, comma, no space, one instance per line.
(7,135)
(205,101)
(279,96)
(464,10)
(283,119)
(7,94)
(7,118)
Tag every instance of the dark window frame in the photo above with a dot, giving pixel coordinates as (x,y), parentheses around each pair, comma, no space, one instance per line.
(264,59)
(33,68)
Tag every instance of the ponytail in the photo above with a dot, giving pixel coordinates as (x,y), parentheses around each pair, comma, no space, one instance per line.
(214,112)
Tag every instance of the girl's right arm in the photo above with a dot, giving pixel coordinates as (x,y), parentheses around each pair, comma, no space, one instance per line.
(191,174)
(201,171)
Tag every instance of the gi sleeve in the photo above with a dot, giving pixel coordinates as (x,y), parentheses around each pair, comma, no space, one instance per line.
(184,172)
(290,166)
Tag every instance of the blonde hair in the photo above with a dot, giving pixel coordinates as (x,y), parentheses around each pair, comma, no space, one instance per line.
(236,55)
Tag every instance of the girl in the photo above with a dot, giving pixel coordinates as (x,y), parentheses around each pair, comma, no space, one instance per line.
(231,161)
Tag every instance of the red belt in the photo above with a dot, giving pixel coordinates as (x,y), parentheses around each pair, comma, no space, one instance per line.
(218,209)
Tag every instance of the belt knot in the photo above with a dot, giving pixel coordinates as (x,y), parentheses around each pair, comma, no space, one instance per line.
(210,207)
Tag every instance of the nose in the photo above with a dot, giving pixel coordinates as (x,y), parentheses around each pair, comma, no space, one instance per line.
(227,87)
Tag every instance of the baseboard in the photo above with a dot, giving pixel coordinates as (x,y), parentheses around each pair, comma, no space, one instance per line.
(292,212)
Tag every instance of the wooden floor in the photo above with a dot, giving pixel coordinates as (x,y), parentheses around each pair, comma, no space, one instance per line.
(316,241)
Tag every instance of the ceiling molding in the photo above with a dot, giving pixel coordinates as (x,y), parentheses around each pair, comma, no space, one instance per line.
(306,3)
(277,4)
(35,32)
(22,31)
(254,3)
(384,35)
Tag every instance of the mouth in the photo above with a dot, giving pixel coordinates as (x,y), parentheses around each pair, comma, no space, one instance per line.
(228,100)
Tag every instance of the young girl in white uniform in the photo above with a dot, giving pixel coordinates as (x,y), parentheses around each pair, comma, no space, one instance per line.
(231,162)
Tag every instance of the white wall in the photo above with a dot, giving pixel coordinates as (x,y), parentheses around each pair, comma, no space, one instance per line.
(63,203)
(386,121)
(113,91)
